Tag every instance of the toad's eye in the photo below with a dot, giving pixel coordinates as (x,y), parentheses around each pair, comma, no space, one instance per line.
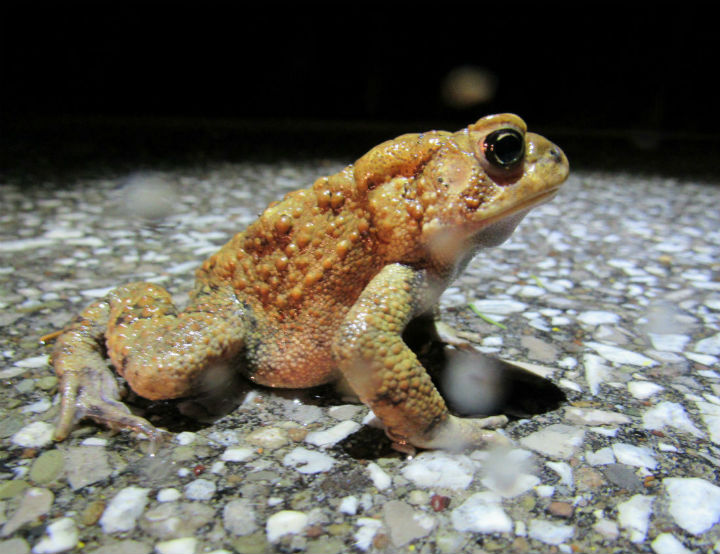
(504,148)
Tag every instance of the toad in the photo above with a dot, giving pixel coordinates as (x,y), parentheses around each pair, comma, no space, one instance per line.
(322,286)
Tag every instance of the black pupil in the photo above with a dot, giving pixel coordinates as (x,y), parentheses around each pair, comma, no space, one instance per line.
(504,148)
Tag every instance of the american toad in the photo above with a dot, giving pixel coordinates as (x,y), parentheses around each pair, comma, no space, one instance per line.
(321,287)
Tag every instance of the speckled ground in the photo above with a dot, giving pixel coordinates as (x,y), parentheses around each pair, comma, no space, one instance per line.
(611,291)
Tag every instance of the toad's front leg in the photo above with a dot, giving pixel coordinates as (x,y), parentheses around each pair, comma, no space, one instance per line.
(162,353)
(386,374)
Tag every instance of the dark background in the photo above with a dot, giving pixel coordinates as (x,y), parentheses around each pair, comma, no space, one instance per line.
(92,85)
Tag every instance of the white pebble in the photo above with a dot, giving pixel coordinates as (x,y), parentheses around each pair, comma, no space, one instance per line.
(124,509)
(596,371)
(710,414)
(333,435)
(349,505)
(668,342)
(237,454)
(693,516)
(62,535)
(600,457)
(545,491)
(481,513)
(200,489)
(632,455)
(168,495)
(607,528)
(704,359)
(185,438)
(380,479)
(185,545)
(665,543)
(634,515)
(287,522)
(598,317)
(42,405)
(439,469)
(555,441)
(590,416)
(34,435)
(670,414)
(34,362)
(564,471)
(643,390)
(367,531)
(94,441)
(710,345)
(550,533)
(621,355)
(308,461)
(499,307)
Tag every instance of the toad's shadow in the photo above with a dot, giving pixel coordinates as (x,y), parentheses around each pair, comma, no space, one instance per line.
(471,383)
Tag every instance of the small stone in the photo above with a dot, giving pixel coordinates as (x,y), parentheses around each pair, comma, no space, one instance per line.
(583,416)
(62,535)
(200,489)
(308,461)
(36,502)
(643,390)
(561,509)
(670,414)
(92,513)
(693,516)
(237,454)
(12,488)
(634,515)
(124,510)
(270,438)
(709,345)
(630,454)
(665,543)
(587,478)
(286,522)
(549,533)
(173,520)
(600,457)
(349,505)
(185,545)
(623,476)
(380,479)
(14,546)
(555,441)
(404,524)
(47,383)
(239,517)
(439,469)
(168,495)
(86,465)
(123,547)
(34,435)
(481,513)
(621,355)
(597,317)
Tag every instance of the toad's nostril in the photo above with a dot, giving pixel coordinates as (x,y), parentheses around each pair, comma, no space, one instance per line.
(556,155)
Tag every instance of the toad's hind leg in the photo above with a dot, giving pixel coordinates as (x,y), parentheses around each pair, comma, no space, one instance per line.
(387,376)
(161,353)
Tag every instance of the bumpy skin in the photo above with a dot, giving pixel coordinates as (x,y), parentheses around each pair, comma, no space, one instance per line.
(320,288)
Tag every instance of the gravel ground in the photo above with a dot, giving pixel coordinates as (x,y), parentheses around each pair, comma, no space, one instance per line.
(611,291)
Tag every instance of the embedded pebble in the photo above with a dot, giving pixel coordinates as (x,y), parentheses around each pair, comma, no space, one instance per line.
(665,543)
(185,438)
(439,469)
(270,438)
(308,461)
(239,517)
(564,471)
(62,535)
(670,414)
(709,345)
(710,414)
(499,307)
(287,522)
(200,489)
(600,457)
(379,478)
(47,467)
(666,342)
(621,355)
(598,317)
(548,532)
(405,524)
(693,516)
(585,416)
(632,455)
(36,502)
(596,371)
(349,505)
(367,531)
(509,472)
(171,520)
(168,495)
(185,545)
(481,513)
(556,441)
(643,390)
(333,435)
(86,465)
(634,515)
(237,454)
(124,509)
(34,435)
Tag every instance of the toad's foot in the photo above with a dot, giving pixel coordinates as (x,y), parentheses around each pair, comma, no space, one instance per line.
(94,394)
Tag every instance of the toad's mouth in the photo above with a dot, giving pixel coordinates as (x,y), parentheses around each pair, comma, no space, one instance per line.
(524,206)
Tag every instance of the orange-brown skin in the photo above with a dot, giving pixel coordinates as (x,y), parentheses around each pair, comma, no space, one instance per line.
(321,287)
